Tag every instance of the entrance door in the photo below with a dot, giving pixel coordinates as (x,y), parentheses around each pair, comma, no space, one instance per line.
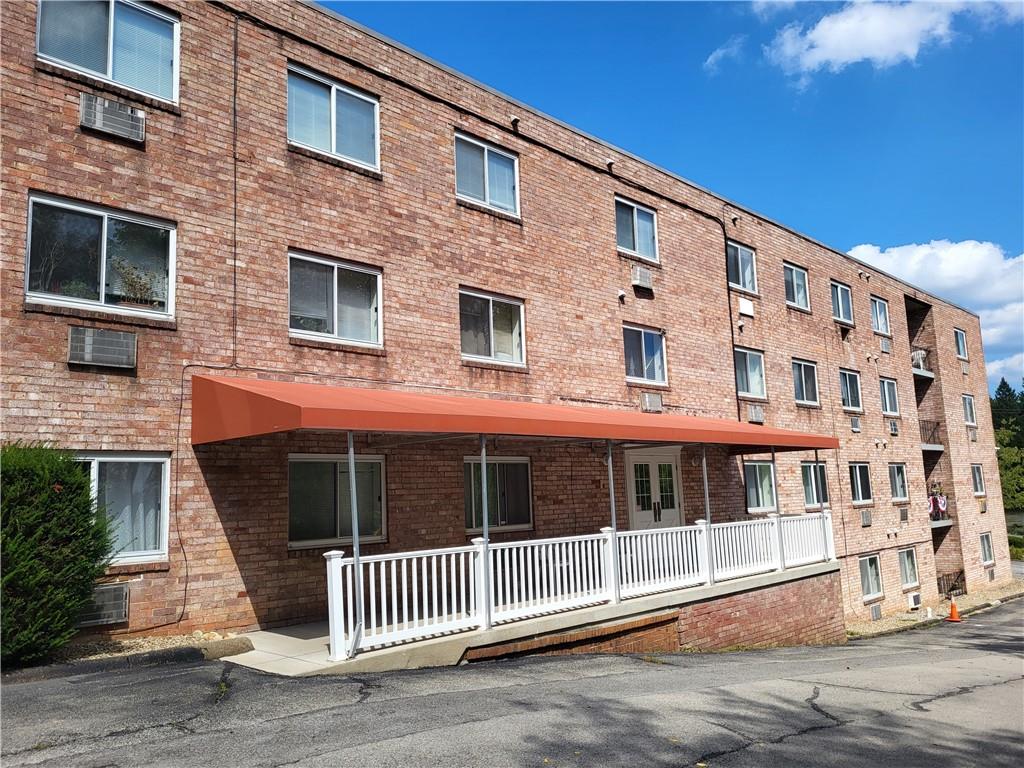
(652,486)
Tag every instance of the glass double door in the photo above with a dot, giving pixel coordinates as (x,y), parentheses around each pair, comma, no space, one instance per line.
(652,488)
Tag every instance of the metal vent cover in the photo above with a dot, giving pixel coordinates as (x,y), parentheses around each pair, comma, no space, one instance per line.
(991,574)
(894,427)
(755,413)
(886,344)
(642,277)
(100,346)
(904,514)
(965,367)
(855,423)
(876,612)
(651,402)
(972,434)
(865,517)
(113,117)
(109,605)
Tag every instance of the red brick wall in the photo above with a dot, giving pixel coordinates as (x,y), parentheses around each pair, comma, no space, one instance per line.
(804,612)
(228,562)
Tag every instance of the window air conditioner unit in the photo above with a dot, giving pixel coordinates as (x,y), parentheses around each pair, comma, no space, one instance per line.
(109,605)
(972,434)
(642,277)
(651,402)
(876,612)
(865,517)
(99,346)
(886,345)
(894,427)
(855,423)
(904,514)
(113,117)
(965,367)
(914,600)
(755,413)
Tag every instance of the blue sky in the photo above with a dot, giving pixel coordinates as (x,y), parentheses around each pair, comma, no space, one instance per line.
(893,131)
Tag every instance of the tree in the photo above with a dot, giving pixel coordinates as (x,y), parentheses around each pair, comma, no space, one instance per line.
(1008,420)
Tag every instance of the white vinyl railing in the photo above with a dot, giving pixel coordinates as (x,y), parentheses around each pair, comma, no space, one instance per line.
(416,595)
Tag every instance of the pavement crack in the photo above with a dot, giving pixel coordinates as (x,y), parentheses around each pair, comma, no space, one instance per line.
(919,704)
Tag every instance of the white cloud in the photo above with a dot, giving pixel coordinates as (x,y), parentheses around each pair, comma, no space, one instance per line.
(765,9)
(730,49)
(882,33)
(976,275)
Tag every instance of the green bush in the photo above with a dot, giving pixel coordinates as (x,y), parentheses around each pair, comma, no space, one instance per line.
(1016,541)
(54,548)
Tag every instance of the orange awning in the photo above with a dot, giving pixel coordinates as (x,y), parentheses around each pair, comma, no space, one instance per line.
(226,408)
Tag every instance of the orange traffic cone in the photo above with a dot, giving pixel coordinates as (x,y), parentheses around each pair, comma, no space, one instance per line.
(954,614)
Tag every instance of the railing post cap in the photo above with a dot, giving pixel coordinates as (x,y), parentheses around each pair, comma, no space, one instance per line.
(773,514)
(702,521)
(478,540)
(334,554)
(607,529)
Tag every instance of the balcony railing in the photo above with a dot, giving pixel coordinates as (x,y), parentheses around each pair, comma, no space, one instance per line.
(919,359)
(415,595)
(931,432)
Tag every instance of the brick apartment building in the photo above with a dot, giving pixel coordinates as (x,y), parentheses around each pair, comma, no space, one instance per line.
(312,202)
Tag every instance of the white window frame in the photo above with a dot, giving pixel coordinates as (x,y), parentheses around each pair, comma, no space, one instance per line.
(771,469)
(335,337)
(817,391)
(664,354)
(855,485)
(336,86)
(895,469)
(747,352)
(501,460)
(881,588)
(978,480)
(106,76)
(99,305)
(807,284)
(153,457)
(753,260)
(972,420)
(901,555)
(877,301)
(819,482)
(883,383)
(340,459)
(860,394)
(491,298)
(991,558)
(960,338)
(841,287)
(654,214)
(487,147)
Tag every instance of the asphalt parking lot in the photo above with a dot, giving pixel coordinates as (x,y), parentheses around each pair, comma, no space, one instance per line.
(951,695)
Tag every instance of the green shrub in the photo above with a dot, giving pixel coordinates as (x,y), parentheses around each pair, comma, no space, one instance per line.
(54,548)
(1017,553)
(1016,541)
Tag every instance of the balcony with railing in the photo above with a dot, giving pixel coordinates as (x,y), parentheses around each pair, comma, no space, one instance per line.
(920,364)
(931,435)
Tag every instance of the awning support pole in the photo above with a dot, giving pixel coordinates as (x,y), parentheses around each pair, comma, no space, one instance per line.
(614,592)
(357,570)
(484,549)
(704,473)
(775,490)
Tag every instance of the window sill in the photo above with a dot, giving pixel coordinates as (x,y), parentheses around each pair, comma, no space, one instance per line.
(862,504)
(797,308)
(873,599)
(129,568)
(102,85)
(892,415)
(853,411)
(336,346)
(883,334)
(810,406)
(848,324)
(911,587)
(489,365)
(499,529)
(169,324)
(642,384)
(484,208)
(334,160)
(989,564)
(900,502)
(745,291)
(980,495)
(298,546)
(963,359)
(647,261)
(763,399)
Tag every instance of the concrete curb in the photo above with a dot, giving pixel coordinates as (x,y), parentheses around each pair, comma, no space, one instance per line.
(209,651)
(935,621)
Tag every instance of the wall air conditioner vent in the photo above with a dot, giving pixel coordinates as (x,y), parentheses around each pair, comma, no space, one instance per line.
(113,117)
(876,612)
(914,600)
(642,278)
(972,434)
(755,413)
(886,345)
(991,574)
(894,427)
(904,514)
(965,367)
(109,605)
(99,346)
(855,423)
(983,505)
(651,402)
(865,517)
